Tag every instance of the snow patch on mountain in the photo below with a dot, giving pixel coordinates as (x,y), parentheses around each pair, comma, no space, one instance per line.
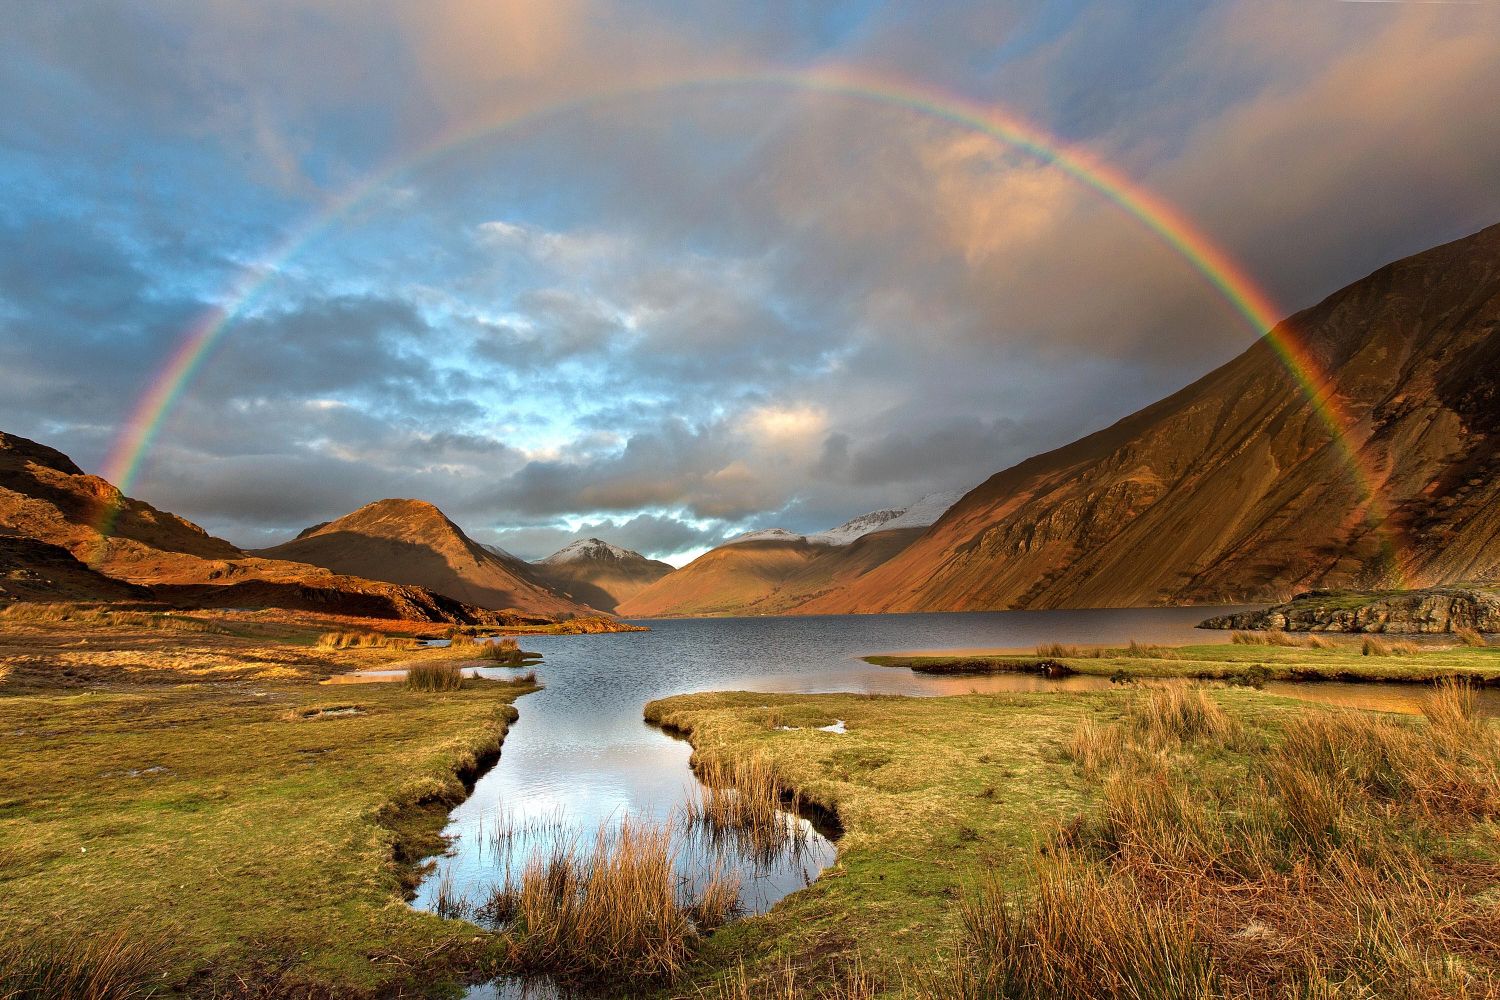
(924,512)
(590,549)
(767,535)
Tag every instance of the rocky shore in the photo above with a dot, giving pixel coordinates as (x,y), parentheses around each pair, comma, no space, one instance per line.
(1432,611)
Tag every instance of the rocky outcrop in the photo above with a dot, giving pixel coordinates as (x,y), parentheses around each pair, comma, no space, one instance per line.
(1435,610)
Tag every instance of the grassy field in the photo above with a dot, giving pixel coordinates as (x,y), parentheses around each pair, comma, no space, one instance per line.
(1389,660)
(191,788)
(1164,843)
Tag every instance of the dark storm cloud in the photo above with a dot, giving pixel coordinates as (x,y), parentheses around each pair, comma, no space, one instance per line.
(671,316)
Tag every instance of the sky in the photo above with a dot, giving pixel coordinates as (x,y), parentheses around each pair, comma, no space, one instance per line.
(568,269)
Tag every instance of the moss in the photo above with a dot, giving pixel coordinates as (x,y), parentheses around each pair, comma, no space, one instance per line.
(264,840)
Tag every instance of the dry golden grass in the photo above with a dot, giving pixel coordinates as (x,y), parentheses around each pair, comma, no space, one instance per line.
(100,617)
(1373,646)
(364,640)
(744,799)
(115,966)
(614,912)
(1179,713)
(1308,872)
(1274,637)
(439,676)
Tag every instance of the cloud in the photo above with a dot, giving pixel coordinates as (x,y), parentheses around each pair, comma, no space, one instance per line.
(666,315)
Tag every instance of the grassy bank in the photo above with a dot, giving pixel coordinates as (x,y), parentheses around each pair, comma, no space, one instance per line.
(202,798)
(1172,844)
(1362,659)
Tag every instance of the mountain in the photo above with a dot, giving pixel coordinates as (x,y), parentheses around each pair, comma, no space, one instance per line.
(69,536)
(773,571)
(412,542)
(1234,489)
(598,573)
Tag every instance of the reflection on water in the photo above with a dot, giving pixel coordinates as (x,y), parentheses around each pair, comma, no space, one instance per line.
(580,755)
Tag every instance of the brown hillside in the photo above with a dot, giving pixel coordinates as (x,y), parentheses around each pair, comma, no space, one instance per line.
(412,542)
(764,577)
(52,549)
(1232,489)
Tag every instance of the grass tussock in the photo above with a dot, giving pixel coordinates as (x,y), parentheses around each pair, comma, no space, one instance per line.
(503,652)
(839,980)
(1470,637)
(1373,646)
(1275,637)
(1179,714)
(112,967)
(434,677)
(1303,867)
(1148,651)
(615,911)
(364,640)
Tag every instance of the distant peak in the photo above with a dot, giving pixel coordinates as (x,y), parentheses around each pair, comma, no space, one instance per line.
(766,535)
(591,548)
(921,514)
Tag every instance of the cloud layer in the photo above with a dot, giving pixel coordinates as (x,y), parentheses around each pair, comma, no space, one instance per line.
(667,316)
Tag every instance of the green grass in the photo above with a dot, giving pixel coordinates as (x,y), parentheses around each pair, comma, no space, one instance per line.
(1233,661)
(928,791)
(261,832)
(1144,823)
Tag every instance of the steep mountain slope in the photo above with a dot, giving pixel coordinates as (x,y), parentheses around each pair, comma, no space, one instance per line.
(412,542)
(53,546)
(599,574)
(773,571)
(1234,489)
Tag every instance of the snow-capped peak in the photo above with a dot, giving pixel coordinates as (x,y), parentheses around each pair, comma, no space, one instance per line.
(766,535)
(919,515)
(589,548)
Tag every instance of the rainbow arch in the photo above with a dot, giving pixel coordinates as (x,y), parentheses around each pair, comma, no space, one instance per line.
(1230,280)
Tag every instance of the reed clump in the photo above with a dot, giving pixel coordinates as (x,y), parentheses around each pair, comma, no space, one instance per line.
(744,799)
(110,967)
(1374,646)
(1148,651)
(1276,637)
(434,677)
(1304,870)
(503,652)
(364,640)
(615,911)
(1179,713)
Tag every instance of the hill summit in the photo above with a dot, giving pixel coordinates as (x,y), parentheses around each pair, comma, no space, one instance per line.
(413,542)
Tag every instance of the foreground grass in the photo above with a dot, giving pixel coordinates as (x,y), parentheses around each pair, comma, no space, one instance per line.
(1378,661)
(930,792)
(1168,844)
(257,835)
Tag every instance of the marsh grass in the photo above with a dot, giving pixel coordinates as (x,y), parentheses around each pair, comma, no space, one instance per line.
(1305,872)
(503,652)
(1274,637)
(434,677)
(110,967)
(1179,713)
(364,640)
(839,980)
(616,910)
(742,802)
(1373,646)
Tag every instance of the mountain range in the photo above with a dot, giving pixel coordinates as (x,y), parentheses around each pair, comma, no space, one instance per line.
(1237,488)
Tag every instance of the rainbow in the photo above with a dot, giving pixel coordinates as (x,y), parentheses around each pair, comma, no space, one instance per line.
(1170,225)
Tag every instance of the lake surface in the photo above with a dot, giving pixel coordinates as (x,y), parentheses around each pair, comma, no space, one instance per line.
(580,755)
